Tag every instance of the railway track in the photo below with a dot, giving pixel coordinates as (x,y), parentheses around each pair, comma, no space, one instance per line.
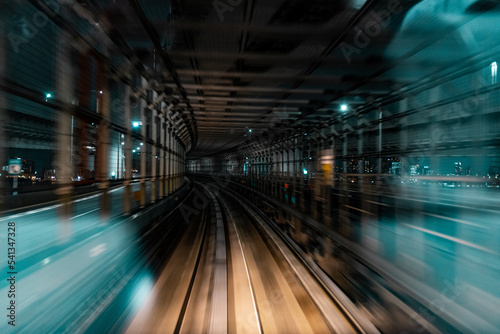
(231,274)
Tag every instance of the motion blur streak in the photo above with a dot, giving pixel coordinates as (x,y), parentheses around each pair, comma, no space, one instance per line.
(249,166)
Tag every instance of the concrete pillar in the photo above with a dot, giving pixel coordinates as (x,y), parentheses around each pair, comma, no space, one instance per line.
(361,161)
(176,163)
(379,147)
(317,182)
(291,170)
(404,140)
(273,172)
(103,146)
(295,174)
(263,181)
(301,188)
(284,169)
(178,172)
(250,166)
(344,153)
(3,115)
(181,169)
(128,151)
(161,156)
(358,226)
(277,171)
(306,153)
(261,170)
(343,218)
(181,164)
(327,215)
(388,225)
(174,166)
(334,152)
(172,161)
(283,162)
(184,165)
(64,155)
(436,138)
(268,184)
(154,153)
(143,149)
(167,158)
(169,164)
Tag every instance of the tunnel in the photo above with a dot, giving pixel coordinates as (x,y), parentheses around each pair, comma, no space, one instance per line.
(249,166)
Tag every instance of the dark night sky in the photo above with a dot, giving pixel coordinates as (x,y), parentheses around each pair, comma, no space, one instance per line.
(41,158)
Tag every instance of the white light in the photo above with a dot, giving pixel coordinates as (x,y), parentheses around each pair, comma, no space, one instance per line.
(142,144)
(123,143)
(141,292)
(48,96)
(494,71)
(100,92)
(113,174)
(133,151)
(138,148)
(304,171)
(135,124)
(343,107)
(250,130)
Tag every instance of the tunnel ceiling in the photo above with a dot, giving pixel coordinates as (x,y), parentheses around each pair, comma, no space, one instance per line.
(257,68)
